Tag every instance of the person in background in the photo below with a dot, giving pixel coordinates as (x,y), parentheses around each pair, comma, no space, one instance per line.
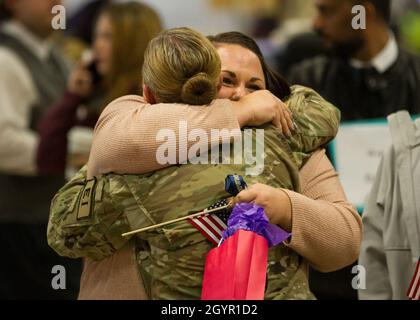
(122,32)
(366,75)
(299,48)
(390,250)
(32,78)
(78,34)
(81,24)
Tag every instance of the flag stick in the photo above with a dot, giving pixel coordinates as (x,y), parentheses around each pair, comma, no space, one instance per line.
(173,221)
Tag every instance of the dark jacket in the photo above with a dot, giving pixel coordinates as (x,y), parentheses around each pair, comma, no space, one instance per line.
(363,94)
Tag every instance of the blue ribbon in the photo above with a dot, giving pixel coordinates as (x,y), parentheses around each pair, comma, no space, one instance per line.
(234,184)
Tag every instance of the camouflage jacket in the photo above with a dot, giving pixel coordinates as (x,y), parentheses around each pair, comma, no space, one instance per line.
(87,218)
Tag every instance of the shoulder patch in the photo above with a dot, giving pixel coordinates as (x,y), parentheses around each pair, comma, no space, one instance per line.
(87,199)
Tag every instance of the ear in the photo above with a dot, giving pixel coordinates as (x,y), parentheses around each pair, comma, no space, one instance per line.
(148,95)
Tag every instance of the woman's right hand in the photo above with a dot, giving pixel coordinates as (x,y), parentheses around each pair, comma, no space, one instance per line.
(262,107)
(80,82)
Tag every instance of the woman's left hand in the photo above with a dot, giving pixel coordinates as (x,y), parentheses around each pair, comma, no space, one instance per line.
(276,203)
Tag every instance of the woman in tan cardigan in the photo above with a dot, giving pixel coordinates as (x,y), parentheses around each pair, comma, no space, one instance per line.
(326,228)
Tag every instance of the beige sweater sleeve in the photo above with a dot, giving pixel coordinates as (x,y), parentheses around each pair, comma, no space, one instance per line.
(326,228)
(125,136)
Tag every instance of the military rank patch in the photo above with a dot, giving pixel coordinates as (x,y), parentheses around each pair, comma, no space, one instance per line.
(87,199)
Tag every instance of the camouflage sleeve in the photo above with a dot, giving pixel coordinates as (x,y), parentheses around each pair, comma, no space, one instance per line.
(316,120)
(84,220)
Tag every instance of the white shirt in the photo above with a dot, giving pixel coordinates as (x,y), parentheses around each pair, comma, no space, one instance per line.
(383,60)
(18,143)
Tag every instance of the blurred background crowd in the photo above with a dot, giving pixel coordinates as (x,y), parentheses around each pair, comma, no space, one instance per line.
(54,84)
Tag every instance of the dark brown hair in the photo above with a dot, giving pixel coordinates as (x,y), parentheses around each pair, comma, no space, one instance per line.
(275,83)
(5,13)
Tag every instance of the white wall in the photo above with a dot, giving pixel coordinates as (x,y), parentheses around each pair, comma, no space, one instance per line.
(197,14)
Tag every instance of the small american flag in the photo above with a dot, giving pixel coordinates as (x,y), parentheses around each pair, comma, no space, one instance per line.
(213,224)
(414,289)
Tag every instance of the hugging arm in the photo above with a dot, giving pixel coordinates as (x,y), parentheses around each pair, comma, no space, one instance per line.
(316,120)
(126,137)
(129,132)
(84,220)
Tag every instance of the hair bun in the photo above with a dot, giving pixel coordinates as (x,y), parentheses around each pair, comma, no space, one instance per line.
(198,90)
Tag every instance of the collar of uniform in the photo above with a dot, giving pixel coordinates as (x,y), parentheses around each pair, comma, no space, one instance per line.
(41,48)
(383,60)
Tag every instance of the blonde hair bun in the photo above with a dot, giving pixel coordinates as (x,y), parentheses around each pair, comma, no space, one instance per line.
(182,66)
(198,90)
